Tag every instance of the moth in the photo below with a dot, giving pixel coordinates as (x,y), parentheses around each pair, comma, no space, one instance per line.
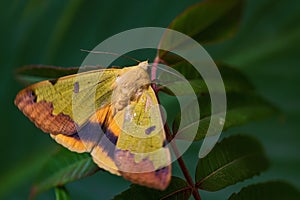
(111,113)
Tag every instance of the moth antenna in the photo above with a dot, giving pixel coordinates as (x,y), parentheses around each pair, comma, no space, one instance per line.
(111,53)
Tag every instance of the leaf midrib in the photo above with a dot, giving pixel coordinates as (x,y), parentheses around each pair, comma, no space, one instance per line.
(224,166)
(175,192)
(62,171)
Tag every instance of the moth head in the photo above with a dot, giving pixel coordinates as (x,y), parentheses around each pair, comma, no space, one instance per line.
(144,65)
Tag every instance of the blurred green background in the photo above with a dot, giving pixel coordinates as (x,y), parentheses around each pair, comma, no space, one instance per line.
(266,49)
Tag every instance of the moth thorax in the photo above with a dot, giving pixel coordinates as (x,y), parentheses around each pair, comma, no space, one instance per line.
(129,87)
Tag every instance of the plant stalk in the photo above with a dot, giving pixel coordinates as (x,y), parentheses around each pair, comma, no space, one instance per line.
(182,165)
(169,136)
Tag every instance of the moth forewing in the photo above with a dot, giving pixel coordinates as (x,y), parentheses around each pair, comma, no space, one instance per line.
(141,154)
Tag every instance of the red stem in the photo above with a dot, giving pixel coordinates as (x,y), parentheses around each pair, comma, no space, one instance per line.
(182,165)
(173,144)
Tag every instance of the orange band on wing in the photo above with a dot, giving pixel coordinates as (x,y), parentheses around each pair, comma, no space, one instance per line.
(104,117)
(72,142)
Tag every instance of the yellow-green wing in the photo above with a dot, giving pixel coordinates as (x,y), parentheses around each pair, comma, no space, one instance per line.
(61,106)
(141,153)
(75,110)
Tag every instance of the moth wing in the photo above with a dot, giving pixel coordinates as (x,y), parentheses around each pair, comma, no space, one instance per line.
(141,154)
(71,142)
(98,137)
(49,104)
(62,106)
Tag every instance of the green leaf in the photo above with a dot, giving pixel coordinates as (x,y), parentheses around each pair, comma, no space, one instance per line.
(12,178)
(178,189)
(209,21)
(61,193)
(234,80)
(243,105)
(275,190)
(34,73)
(64,167)
(234,159)
(241,109)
